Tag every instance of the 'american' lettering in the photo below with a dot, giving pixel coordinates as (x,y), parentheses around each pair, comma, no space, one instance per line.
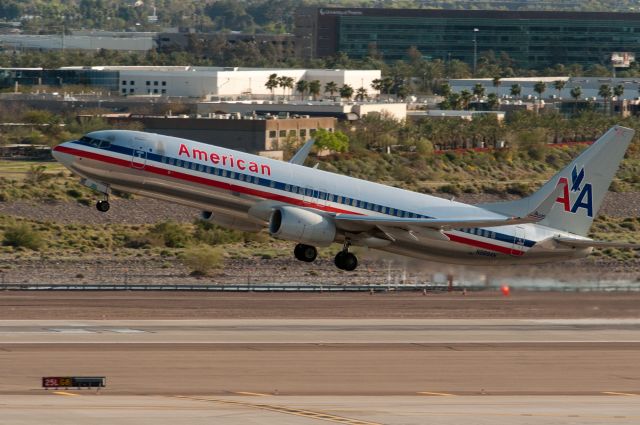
(225,160)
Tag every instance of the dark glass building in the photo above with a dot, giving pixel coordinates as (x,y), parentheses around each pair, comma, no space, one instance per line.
(107,79)
(531,39)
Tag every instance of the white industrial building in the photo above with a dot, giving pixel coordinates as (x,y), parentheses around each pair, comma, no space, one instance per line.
(589,86)
(219,83)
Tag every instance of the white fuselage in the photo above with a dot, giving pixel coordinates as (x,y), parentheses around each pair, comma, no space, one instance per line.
(236,186)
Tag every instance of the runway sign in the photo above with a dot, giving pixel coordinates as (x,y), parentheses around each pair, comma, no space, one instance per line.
(74,382)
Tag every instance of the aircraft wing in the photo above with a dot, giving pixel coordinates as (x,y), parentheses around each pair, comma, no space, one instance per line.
(588,243)
(433,223)
(538,214)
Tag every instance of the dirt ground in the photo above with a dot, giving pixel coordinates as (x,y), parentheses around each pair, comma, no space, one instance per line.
(411,305)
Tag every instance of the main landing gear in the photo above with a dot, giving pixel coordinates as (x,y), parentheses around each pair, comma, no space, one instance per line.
(345,260)
(306,253)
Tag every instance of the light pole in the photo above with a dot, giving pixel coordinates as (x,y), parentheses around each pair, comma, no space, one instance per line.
(475,50)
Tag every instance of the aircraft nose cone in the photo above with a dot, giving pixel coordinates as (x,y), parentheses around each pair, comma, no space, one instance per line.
(60,156)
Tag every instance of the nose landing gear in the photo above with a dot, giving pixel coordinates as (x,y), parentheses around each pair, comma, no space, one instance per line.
(103,205)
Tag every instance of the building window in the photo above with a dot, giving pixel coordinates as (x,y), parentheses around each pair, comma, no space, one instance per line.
(124,82)
(131,82)
(164,91)
(131,91)
(303,132)
(164,83)
(155,91)
(272,134)
(312,131)
(124,91)
(155,83)
(283,133)
(292,133)
(148,83)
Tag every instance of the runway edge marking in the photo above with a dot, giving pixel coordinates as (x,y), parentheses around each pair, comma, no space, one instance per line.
(287,410)
(251,393)
(65,393)
(435,393)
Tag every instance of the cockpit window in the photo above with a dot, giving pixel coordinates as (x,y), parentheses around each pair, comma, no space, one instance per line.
(96,143)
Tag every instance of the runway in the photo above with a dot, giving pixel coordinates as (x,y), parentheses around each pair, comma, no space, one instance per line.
(328,357)
(297,366)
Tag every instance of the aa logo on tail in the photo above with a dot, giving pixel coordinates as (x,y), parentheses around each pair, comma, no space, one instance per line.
(584,197)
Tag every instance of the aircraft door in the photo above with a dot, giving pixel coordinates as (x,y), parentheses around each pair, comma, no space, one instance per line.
(139,155)
(518,241)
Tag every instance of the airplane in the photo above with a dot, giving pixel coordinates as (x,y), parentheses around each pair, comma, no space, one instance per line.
(316,208)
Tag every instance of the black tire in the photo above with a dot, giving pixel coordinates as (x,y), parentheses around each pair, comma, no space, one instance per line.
(103,206)
(346,261)
(306,253)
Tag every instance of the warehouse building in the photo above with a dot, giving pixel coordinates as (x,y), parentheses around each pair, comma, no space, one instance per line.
(187,81)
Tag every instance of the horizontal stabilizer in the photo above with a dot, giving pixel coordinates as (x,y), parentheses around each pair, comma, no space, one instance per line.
(588,243)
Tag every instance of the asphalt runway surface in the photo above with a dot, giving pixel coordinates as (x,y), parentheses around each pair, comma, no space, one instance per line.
(485,369)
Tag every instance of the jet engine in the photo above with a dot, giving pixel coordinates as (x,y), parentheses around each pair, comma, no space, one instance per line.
(231,222)
(299,225)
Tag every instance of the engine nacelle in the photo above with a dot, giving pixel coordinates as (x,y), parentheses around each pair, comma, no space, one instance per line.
(296,224)
(231,222)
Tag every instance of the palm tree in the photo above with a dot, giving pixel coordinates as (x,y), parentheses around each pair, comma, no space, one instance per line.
(286,83)
(301,87)
(539,88)
(346,91)
(331,87)
(516,90)
(559,85)
(493,101)
(576,92)
(478,91)
(272,83)
(618,91)
(465,98)
(361,94)
(496,83)
(445,90)
(387,84)
(314,88)
(605,93)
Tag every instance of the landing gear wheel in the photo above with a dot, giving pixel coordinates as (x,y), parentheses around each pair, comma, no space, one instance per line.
(306,253)
(103,206)
(346,261)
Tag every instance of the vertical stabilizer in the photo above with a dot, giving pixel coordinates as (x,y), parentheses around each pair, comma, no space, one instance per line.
(587,179)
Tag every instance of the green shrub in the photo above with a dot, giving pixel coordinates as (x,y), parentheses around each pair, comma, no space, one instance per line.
(22,235)
(74,193)
(170,234)
(201,259)
(212,234)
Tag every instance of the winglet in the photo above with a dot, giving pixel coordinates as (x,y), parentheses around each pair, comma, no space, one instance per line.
(544,208)
(302,153)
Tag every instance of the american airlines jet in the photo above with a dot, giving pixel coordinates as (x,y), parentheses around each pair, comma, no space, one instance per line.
(316,208)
